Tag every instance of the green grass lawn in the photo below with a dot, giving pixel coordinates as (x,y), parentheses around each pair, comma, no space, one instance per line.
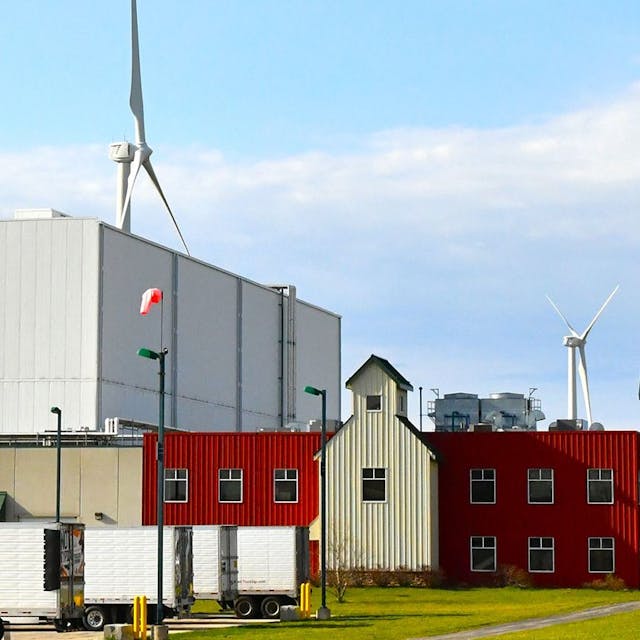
(625,626)
(397,613)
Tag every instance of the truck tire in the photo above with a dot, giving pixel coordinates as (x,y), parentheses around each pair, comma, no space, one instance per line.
(270,607)
(94,618)
(246,607)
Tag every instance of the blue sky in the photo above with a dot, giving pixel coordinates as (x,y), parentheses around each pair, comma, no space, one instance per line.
(429,170)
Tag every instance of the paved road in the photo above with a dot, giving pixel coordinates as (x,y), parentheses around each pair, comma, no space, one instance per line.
(537,623)
(47,632)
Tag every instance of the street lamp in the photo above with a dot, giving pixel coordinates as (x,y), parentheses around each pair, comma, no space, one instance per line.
(160,356)
(323,613)
(58,412)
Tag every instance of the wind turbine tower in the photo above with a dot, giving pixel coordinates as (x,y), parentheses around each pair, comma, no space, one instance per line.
(577,341)
(130,157)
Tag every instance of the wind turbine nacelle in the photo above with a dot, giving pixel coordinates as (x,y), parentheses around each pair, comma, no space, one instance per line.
(121,152)
(572,341)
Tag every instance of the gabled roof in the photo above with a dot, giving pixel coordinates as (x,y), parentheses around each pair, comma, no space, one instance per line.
(433,452)
(387,367)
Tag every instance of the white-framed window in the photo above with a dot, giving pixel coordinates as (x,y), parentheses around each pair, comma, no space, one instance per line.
(374,403)
(285,485)
(600,486)
(483,553)
(230,485)
(483,486)
(374,484)
(601,555)
(540,486)
(176,485)
(541,555)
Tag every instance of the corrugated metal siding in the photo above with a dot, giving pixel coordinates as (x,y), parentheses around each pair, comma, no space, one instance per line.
(257,454)
(570,520)
(387,535)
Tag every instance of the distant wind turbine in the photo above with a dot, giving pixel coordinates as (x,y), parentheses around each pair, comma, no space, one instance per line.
(131,157)
(573,342)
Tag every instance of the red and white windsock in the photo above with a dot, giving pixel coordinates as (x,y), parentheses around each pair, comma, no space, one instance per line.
(149,297)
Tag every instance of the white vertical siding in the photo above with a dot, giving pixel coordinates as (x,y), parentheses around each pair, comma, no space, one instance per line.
(48,328)
(397,533)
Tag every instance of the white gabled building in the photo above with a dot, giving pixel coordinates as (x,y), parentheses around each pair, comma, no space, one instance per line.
(382,487)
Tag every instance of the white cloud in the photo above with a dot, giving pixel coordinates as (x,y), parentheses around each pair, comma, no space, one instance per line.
(436,245)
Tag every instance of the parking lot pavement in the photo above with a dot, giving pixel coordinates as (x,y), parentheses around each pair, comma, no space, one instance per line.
(47,632)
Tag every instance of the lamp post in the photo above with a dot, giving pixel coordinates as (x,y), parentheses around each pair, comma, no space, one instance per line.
(58,412)
(160,356)
(323,613)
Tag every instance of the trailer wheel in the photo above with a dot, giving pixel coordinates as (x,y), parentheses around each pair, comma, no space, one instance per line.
(270,607)
(1,629)
(94,618)
(245,607)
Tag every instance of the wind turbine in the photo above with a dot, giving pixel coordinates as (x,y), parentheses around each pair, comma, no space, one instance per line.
(573,342)
(130,157)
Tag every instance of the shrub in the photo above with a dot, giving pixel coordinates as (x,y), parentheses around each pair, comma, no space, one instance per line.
(610,582)
(511,576)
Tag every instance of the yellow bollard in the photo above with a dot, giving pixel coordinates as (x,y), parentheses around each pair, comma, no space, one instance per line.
(140,617)
(305,599)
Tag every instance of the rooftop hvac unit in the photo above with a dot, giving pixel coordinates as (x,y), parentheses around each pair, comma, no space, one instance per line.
(482,427)
(111,426)
(576,424)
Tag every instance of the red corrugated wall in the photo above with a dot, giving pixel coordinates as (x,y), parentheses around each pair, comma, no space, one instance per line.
(570,519)
(258,454)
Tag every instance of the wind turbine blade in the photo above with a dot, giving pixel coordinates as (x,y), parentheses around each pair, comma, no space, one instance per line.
(584,379)
(147,165)
(606,302)
(553,304)
(135,97)
(135,169)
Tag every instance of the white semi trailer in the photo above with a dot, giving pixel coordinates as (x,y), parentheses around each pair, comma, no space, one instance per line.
(121,563)
(42,568)
(255,570)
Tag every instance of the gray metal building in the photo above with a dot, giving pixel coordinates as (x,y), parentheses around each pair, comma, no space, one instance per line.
(239,353)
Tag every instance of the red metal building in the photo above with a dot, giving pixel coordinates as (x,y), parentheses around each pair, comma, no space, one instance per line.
(245,479)
(561,505)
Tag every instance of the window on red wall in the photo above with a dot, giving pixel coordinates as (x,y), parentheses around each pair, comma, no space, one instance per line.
(483,553)
(600,486)
(601,555)
(483,486)
(230,485)
(285,485)
(540,486)
(176,485)
(541,555)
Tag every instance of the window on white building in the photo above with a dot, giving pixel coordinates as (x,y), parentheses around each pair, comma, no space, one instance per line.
(541,555)
(374,403)
(374,484)
(540,483)
(230,485)
(483,486)
(601,555)
(600,486)
(176,485)
(285,485)
(483,553)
